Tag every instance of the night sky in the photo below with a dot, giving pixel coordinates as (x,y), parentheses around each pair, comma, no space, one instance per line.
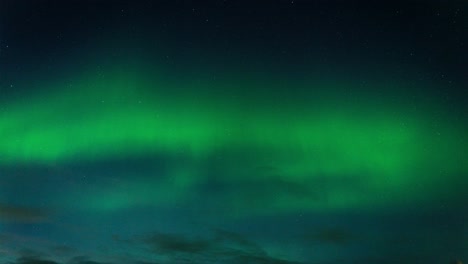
(305,132)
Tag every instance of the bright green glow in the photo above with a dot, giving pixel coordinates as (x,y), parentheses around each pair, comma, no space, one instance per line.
(399,153)
(92,119)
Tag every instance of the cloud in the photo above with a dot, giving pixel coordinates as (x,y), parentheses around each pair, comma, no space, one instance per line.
(83,260)
(62,250)
(337,236)
(36,259)
(33,260)
(21,214)
(248,190)
(234,240)
(220,247)
(260,260)
(171,243)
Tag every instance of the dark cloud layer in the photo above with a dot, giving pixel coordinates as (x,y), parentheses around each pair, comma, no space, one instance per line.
(83,260)
(335,236)
(221,247)
(169,244)
(33,260)
(38,260)
(12,213)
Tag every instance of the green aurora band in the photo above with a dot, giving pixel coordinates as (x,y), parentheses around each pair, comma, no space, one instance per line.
(403,154)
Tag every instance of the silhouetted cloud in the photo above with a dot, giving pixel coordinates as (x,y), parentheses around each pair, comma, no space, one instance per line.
(62,250)
(83,260)
(235,240)
(21,214)
(33,260)
(220,247)
(337,236)
(171,243)
(260,260)
(238,183)
(30,256)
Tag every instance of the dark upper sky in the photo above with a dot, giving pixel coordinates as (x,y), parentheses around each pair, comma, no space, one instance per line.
(233,131)
(427,37)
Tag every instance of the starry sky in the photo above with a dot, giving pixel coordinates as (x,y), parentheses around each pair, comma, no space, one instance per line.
(292,132)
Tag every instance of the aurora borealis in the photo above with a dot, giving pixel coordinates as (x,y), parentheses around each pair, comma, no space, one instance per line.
(222,132)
